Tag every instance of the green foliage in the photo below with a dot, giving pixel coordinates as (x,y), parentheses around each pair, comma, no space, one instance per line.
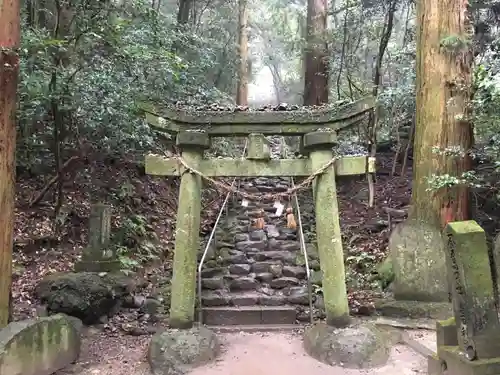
(86,78)
(385,273)
(136,242)
(455,44)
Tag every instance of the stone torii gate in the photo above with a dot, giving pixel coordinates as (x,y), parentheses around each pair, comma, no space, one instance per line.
(318,132)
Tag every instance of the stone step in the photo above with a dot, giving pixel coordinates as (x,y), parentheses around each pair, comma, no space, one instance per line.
(249,315)
(249,328)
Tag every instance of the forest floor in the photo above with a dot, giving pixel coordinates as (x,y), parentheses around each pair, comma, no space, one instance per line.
(38,252)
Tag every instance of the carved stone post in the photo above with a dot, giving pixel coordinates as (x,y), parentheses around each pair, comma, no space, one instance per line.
(319,145)
(98,256)
(187,232)
(473,294)
(468,343)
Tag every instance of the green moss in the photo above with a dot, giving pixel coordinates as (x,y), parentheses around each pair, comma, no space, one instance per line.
(300,260)
(447,322)
(385,273)
(474,265)
(317,278)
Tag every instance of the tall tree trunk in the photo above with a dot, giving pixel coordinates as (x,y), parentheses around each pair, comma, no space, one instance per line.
(377,86)
(444,74)
(9,71)
(184,11)
(242,89)
(316,63)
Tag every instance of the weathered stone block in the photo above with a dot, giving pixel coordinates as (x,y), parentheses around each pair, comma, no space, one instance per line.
(258,147)
(193,140)
(446,333)
(294,271)
(213,283)
(239,269)
(38,347)
(243,283)
(417,251)
(319,140)
(284,282)
(216,298)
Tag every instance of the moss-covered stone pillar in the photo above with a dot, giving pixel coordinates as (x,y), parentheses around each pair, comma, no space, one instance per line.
(187,240)
(319,146)
(473,292)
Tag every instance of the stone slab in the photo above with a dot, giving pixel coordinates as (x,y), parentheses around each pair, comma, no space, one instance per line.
(258,328)
(413,309)
(249,315)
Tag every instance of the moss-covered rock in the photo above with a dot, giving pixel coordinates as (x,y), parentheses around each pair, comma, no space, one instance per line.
(361,346)
(317,278)
(175,352)
(85,295)
(38,346)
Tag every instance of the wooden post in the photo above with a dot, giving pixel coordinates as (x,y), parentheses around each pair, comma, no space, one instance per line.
(187,232)
(319,145)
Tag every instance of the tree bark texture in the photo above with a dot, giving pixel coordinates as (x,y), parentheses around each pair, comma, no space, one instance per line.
(444,77)
(9,71)
(316,59)
(185,7)
(242,89)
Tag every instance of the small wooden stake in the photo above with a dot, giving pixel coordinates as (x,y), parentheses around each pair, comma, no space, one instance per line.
(290,219)
(259,221)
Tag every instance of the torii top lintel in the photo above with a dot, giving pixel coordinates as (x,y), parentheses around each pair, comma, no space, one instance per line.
(299,122)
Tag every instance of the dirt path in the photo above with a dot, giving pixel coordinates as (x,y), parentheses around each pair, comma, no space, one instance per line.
(243,354)
(282,354)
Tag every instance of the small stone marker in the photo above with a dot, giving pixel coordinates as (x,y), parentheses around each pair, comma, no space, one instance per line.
(98,255)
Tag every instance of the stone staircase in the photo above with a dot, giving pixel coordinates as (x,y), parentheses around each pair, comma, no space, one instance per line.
(255,277)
